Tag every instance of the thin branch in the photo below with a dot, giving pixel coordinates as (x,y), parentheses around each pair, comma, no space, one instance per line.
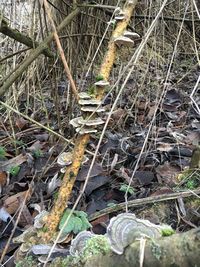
(142,202)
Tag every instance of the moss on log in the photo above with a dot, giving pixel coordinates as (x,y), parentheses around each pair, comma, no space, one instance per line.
(173,251)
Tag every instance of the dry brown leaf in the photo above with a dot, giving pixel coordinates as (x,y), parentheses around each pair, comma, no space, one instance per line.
(12,203)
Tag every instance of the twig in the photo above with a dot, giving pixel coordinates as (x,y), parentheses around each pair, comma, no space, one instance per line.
(143,201)
(13,54)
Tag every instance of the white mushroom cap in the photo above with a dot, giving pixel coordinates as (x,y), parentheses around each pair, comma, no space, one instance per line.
(102,83)
(94,122)
(85,130)
(122,40)
(131,35)
(92,109)
(84,95)
(89,102)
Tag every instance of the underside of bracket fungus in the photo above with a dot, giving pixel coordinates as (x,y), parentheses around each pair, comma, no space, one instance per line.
(86,102)
(102,83)
(132,35)
(122,40)
(122,230)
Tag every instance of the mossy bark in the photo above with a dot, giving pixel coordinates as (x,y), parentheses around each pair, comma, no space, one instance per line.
(173,251)
(18,36)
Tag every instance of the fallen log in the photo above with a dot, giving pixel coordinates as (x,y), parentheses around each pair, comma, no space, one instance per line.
(176,250)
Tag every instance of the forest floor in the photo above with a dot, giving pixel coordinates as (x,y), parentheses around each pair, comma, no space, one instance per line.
(29,153)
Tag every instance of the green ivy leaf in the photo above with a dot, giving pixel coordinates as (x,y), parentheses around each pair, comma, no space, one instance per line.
(78,225)
(14,170)
(77,222)
(2,152)
(125,187)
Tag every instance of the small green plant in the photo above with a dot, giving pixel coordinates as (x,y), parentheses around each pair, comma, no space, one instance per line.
(2,152)
(192,184)
(126,188)
(167,231)
(14,170)
(92,91)
(37,153)
(77,222)
(99,78)
(20,143)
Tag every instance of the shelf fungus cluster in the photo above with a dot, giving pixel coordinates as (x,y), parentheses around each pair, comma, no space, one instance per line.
(127,39)
(122,230)
(90,108)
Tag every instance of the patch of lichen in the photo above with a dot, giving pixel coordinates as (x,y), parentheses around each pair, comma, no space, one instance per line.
(96,245)
(156,250)
(26,262)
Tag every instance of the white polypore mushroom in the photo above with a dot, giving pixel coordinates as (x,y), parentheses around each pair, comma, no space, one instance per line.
(84,102)
(84,95)
(65,159)
(93,122)
(92,109)
(74,122)
(102,83)
(120,15)
(85,130)
(131,35)
(122,40)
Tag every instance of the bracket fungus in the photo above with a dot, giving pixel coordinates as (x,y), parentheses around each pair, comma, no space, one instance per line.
(65,159)
(93,122)
(84,95)
(79,242)
(85,130)
(92,109)
(122,230)
(122,40)
(119,15)
(102,83)
(89,102)
(131,35)
(125,228)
